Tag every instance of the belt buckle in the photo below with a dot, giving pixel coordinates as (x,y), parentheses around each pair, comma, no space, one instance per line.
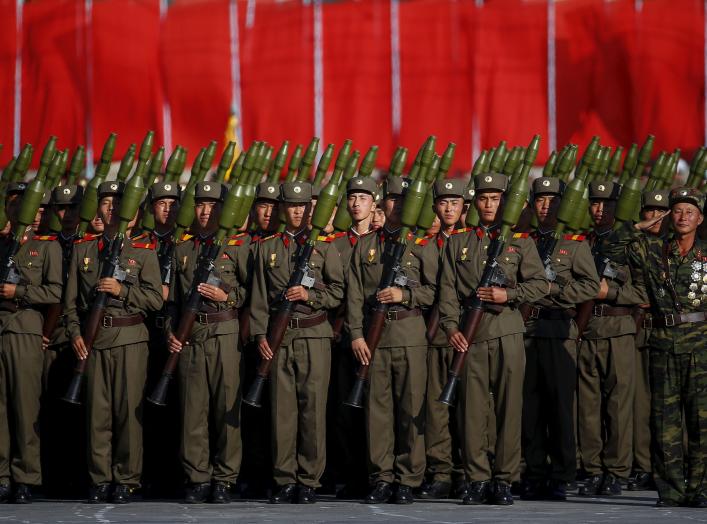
(294,323)
(535,313)
(669,320)
(107,321)
(391,315)
(159,322)
(647,323)
(203,317)
(598,310)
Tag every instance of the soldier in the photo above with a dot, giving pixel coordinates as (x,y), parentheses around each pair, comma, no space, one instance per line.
(210,362)
(264,213)
(672,271)
(59,453)
(300,374)
(395,401)
(117,369)
(350,442)
(21,354)
(551,351)
(442,447)
(496,360)
(606,361)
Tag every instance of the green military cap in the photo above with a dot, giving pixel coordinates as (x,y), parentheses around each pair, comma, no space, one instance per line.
(448,188)
(395,185)
(267,191)
(68,195)
(491,182)
(210,191)
(603,190)
(545,185)
(689,195)
(296,192)
(111,188)
(15,188)
(657,198)
(362,184)
(165,190)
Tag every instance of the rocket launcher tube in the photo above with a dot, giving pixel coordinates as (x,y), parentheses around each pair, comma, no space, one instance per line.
(279,163)
(342,218)
(155,168)
(644,156)
(669,173)
(498,158)
(208,158)
(146,147)
(237,170)
(657,171)
(295,162)
(445,163)
(427,214)
(613,170)
(629,166)
(196,164)
(549,167)
(174,165)
(267,159)
(479,165)
(126,165)
(310,154)
(629,203)
(397,164)
(323,166)
(225,164)
(512,161)
(76,166)
(46,158)
(22,163)
(693,166)
(369,162)
(699,171)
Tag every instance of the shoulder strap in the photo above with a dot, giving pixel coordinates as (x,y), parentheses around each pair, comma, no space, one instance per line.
(669,281)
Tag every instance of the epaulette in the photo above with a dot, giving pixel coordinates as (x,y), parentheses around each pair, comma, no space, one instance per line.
(143,245)
(276,235)
(44,237)
(521,235)
(324,238)
(428,236)
(462,230)
(578,238)
(86,238)
(235,241)
(340,234)
(239,235)
(185,237)
(140,236)
(421,241)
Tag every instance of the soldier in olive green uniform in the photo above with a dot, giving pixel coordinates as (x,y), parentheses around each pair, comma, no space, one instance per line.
(442,447)
(395,401)
(551,350)
(300,374)
(496,359)
(350,437)
(38,265)
(62,474)
(672,271)
(117,368)
(210,362)
(606,361)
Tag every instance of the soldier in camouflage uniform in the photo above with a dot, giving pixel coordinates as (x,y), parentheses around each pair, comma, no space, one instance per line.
(672,271)
(496,359)
(117,368)
(209,371)
(395,400)
(300,374)
(442,447)
(551,351)
(38,263)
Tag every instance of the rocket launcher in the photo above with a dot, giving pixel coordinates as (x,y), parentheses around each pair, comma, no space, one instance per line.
(175,165)
(89,203)
(566,163)
(613,170)
(644,155)
(226,161)
(76,166)
(46,158)
(527,160)
(657,171)
(126,165)
(295,163)
(22,163)
(430,174)
(629,163)
(498,158)
(697,168)
(342,218)
(480,166)
(237,169)
(305,168)
(369,161)
(549,167)
(154,168)
(512,161)
(279,163)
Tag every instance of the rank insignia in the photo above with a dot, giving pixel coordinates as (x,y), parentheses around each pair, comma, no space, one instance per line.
(224,255)
(661,292)
(273,259)
(371,254)
(131,262)
(564,252)
(464,250)
(33,253)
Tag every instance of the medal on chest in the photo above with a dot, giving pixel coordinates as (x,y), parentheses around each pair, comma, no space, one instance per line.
(464,250)
(698,287)
(371,255)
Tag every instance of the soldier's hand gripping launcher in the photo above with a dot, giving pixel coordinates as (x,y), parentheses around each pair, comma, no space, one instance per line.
(513,206)
(129,204)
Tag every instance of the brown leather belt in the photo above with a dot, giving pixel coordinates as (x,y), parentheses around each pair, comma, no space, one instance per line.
(675,320)
(213,318)
(109,321)
(301,323)
(399,314)
(547,313)
(602,310)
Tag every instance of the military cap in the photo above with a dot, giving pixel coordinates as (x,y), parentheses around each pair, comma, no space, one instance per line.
(657,198)
(469,192)
(111,188)
(362,184)
(15,188)
(315,191)
(448,188)
(165,190)
(689,195)
(603,190)
(296,192)
(395,185)
(490,182)
(267,191)
(210,191)
(67,195)
(545,185)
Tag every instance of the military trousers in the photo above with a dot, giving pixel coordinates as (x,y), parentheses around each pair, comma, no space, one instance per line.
(115,383)
(642,413)
(209,399)
(442,448)
(495,367)
(299,383)
(605,404)
(395,415)
(678,387)
(21,364)
(548,408)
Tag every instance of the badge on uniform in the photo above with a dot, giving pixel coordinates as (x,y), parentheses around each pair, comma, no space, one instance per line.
(184,261)
(699,283)
(464,250)
(131,262)
(273,259)
(224,255)
(564,252)
(33,253)
(86,262)
(371,254)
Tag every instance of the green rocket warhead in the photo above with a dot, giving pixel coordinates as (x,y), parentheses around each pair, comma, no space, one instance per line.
(512,161)
(397,163)
(326,202)
(445,163)
(89,202)
(295,162)
(629,203)
(8,171)
(31,200)
(572,199)
(22,163)
(146,147)
(342,159)
(592,151)
(76,166)
(267,155)
(644,156)
(130,201)
(46,158)
(369,162)
(305,168)
(126,164)
(479,165)
(175,165)
(529,156)
(106,158)
(657,171)
(53,175)
(498,158)
(613,170)
(342,218)
(262,163)
(669,173)
(237,169)
(235,209)
(155,167)
(279,163)
(549,167)
(515,199)
(427,214)
(208,159)
(629,163)
(417,189)
(566,163)
(323,166)
(699,154)
(225,164)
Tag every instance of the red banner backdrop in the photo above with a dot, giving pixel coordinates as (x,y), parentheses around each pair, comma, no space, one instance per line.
(469,72)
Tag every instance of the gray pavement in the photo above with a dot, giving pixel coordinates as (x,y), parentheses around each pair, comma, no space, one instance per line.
(631,507)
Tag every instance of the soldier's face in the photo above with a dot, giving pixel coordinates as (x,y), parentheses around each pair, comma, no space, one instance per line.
(546,207)
(652,212)
(602,212)
(360,205)
(393,208)
(108,208)
(207,213)
(97,225)
(487,204)
(265,214)
(378,218)
(296,214)
(686,218)
(165,211)
(448,210)
(38,218)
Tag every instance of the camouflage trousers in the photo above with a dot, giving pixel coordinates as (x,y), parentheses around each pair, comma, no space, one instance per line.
(679,388)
